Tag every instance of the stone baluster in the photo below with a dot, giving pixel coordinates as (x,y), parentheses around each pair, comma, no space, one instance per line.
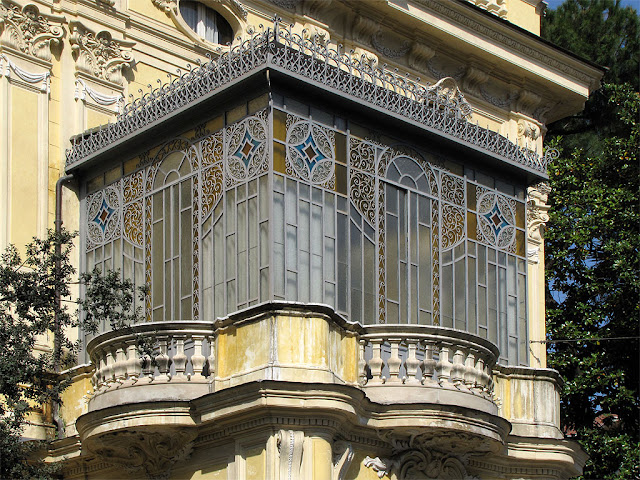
(413,363)
(488,372)
(120,365)
(457,370)
(471,374)
(376,363)
(362,363)
(180,359)
(108,370)
(162,359)
(428,365)
(147,369)
(198,359)
(211,359)
(96,378)
(134,363)
(395,362)
(444,365)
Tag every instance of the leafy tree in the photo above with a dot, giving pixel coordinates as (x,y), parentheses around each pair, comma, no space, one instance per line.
(606,33)
(30,290)
(593,240)
(593,265)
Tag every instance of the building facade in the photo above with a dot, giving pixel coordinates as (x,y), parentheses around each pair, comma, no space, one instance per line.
(337,208)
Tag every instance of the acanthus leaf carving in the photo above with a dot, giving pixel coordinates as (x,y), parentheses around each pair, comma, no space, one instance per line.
(29,31)
(151,452)
(378,465)
(99,55)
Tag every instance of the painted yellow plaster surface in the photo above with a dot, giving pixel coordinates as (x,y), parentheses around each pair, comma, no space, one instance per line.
(148,9)
(24,167)
(322,459)
(73,401)
(243,348)
(255,459)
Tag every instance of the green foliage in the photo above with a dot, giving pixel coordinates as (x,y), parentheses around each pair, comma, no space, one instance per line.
(593,240)
(593,265)
(608,34)
(29,310)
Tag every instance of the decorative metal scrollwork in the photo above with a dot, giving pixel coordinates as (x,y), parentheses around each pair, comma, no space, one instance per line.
(103,215)
(311,152)
(246,147)
(441,107)
(496,219)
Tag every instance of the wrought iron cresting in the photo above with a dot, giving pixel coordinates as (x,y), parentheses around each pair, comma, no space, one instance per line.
(435,106)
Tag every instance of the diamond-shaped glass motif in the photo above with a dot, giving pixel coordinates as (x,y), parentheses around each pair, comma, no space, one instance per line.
(247,148)
(496,220)
(310,152)
(103,215)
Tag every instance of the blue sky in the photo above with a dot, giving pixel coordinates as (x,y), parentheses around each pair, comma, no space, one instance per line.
(634,3)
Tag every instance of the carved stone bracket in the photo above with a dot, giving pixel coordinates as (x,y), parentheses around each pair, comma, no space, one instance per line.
(39,80)
(537,212)
(419,55)
(99,55)
(29,31)
(290,447)
(342,458)
(150,452)
(473,78)
(363,28)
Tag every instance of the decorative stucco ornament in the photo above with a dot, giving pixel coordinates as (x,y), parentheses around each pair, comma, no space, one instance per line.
(171,6)
(99,55)
(537,212)
(381,467)
(148,452)
(41,80)
(388,46)
(26,30)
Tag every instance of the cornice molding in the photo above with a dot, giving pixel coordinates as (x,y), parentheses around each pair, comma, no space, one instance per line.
(508,40)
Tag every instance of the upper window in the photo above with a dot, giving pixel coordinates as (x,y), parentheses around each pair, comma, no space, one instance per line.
(206,22)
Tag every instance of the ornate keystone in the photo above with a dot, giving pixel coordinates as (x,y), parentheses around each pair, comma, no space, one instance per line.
(27,31)
(99,55)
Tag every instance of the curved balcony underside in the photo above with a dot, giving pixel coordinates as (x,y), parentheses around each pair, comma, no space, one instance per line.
(401,379)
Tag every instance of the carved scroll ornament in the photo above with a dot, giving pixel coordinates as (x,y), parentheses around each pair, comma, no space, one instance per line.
(99,55)
(27,31)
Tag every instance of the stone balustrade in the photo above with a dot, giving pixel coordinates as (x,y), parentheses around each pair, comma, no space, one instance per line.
(181,351)
(426,356)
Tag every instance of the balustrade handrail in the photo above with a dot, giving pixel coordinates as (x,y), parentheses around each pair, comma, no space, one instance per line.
(175,327)
(431,332)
